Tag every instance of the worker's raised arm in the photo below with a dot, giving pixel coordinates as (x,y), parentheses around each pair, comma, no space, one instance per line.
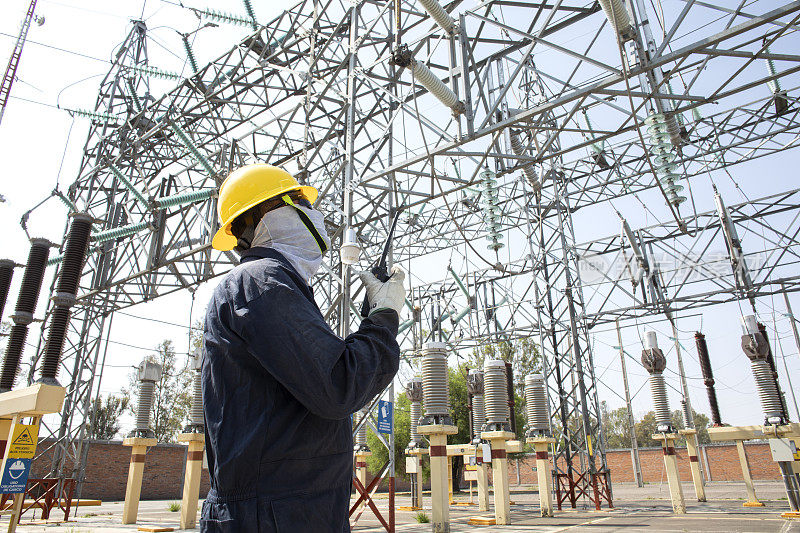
(330,376)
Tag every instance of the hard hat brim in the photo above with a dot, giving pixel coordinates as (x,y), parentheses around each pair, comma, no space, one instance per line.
(225,241)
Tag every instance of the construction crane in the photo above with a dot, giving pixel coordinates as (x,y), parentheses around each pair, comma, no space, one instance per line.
(13,61)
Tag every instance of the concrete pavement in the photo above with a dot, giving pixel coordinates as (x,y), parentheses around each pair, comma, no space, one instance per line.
(636,509)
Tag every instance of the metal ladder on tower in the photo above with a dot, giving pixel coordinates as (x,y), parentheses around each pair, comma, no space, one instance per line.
(13,61)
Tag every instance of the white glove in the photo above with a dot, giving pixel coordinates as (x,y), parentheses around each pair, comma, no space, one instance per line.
(389,295)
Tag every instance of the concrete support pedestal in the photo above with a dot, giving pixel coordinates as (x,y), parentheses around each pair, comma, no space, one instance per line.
(482,471)
(694,462)
(414,468)
(449,480)
(440,508)
(739,434)
(192,475)
(544,473)
(502,505)
(361,469)
(752,499)
(671,466)
(133,491)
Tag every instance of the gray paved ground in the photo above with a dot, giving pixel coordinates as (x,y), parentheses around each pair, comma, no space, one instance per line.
(645,509)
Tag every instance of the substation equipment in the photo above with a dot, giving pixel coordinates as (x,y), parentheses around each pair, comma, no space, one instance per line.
(475,387)
(521,122)
(416,448)
(782,435)
(141,438)
(436,424)
(45,396)
(655,363)
(497,430)
(539,435)
(194,435)
(490,425)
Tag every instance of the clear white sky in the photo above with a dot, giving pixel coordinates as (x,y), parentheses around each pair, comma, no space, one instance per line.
(40,146)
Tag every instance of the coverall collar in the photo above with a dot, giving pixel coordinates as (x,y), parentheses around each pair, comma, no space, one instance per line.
(263,252)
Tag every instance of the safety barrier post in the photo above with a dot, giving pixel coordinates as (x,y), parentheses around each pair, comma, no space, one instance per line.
(694,462)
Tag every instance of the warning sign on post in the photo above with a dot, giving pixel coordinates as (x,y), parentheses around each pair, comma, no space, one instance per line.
(385,417)
(15,476)
(23,442)
(17,466)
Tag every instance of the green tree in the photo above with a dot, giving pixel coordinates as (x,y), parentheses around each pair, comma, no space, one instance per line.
(459,410)
(616,427)
(646,427)
(701,422)
(104,416)
(172,397)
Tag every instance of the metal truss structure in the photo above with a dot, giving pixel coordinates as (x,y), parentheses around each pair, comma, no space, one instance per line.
(476,124)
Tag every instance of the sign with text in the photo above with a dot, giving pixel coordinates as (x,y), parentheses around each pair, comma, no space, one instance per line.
(385,417)
(17,466)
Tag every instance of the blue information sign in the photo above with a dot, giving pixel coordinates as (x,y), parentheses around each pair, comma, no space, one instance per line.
(15,476)
(385,417)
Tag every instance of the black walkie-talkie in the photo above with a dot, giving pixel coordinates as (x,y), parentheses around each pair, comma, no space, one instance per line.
(379,270)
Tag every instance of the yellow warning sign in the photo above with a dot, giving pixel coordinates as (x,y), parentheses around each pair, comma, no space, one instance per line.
(23,441)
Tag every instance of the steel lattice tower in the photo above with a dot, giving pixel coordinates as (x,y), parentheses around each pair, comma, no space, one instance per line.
(323,91)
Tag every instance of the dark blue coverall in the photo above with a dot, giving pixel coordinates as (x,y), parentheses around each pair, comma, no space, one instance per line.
(278,391)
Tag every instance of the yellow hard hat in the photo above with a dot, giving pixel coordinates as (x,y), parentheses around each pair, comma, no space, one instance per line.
(247,187)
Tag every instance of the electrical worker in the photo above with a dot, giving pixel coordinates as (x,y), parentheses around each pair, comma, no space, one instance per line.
(279,385)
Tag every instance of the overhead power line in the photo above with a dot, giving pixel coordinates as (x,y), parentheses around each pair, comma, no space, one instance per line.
(50,46)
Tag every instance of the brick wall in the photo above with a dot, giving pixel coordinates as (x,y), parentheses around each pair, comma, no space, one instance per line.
(107,471)
(722,458)
(107,468)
